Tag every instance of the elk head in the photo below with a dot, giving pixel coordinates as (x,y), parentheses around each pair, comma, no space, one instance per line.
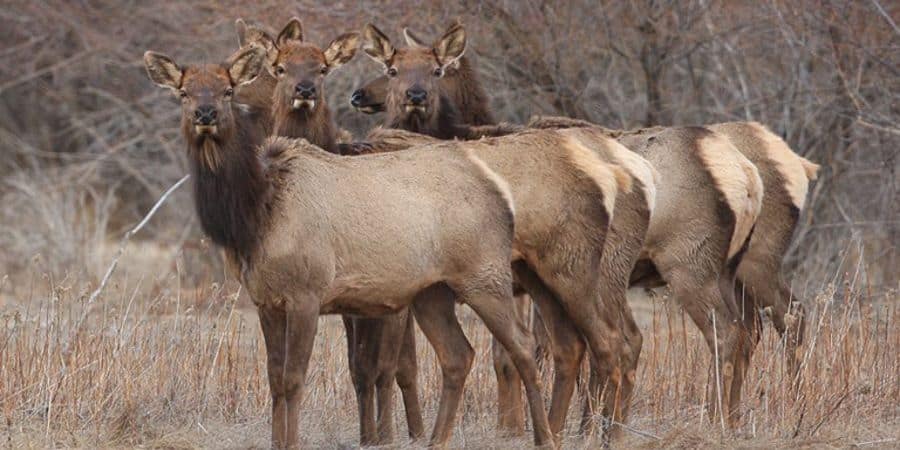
(206,92)
(300,67)
(413,91)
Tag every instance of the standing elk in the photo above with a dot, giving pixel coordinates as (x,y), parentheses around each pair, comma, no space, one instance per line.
(303,245)
(380,350)
(416,102)
(786,177)
(694,249)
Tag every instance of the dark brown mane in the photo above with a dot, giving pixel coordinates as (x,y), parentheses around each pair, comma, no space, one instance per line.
(468,95)
(231,198)
(315,126)
(445,124)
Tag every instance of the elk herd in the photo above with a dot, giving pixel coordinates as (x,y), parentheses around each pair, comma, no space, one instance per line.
(443,204)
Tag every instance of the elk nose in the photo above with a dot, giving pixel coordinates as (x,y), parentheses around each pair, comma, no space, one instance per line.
(357,97)
(205,115)
(416,95)
(305,90)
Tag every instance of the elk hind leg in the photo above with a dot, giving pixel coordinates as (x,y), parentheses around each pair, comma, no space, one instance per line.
(436,315)
(408,380)
(565,343)
(491,302)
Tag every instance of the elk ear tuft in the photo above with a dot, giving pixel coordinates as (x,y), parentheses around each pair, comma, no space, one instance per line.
(412,40)
(293,31)
(162,70)
(451,46)
(244,66)
(341,49)
(377,45)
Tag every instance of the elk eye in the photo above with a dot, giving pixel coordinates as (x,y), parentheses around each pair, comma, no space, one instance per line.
(229,92)
(279,70)
(392,72)
(323,70)
(438,72)
(182,94)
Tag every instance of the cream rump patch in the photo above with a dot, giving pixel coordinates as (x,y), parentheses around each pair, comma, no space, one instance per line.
(609,178)
(489,173)
(796,170)
(739,182)
(638,167)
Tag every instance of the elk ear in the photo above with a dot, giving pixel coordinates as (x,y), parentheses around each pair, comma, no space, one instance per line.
(242,30)
(244,66)
(162,70)
(451,46)
(254,34)
(293,31)
(412,40)
(377,45)
(341,49)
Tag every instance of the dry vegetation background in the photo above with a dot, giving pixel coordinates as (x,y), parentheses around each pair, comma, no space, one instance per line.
(170,355)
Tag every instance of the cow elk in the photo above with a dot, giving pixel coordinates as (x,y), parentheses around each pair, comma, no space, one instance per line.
(697,262)
(380,350)
(541,182)
(304,246)
(786,177)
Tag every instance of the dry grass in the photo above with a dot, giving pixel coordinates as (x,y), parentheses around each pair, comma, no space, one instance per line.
(169,358)
(160,366)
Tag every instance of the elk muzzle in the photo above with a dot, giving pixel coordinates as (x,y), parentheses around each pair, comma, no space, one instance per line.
(360,100)
(205,119)
(415,99)
(304,95)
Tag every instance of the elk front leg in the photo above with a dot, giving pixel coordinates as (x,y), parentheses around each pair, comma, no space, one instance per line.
(289,336)
(363,377)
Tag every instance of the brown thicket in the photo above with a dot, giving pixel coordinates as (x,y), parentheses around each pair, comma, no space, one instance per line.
(88,145)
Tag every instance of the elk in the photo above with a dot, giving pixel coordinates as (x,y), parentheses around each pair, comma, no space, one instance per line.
(381,350)
(629,220)
(760,282)
(728,196)
(786,177)
(303,246)
(459,83)
(417,72)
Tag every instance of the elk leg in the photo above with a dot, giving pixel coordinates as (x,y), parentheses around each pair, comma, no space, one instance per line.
(390,342)
(565,343)
(272,322)
(746,343)
(407,380)
(510,409)
(384,386)
(289,339)
(362,370)
(724,333)
(492,306)
(436,315)
(785,310)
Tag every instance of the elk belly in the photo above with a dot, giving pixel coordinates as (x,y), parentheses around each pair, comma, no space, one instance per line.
(364,296)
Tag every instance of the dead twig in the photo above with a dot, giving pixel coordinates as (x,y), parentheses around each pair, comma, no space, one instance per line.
(115,260)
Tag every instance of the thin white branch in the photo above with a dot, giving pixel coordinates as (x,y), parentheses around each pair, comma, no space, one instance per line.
(115,262)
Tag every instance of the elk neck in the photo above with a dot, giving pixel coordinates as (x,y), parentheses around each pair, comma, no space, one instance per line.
(315,126)
(444,124)
(231,191)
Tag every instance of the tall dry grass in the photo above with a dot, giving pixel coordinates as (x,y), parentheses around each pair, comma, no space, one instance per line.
(160,366)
